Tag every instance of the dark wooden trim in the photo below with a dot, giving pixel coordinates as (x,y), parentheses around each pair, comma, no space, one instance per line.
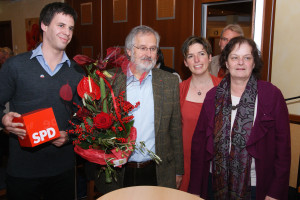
(2,192)
(295,119)
(211,1)
(268,38)
(6,34)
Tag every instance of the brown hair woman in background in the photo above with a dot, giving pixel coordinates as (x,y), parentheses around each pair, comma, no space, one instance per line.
(197,56)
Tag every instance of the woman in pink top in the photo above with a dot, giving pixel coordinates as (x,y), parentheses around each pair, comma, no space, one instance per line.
(197,57)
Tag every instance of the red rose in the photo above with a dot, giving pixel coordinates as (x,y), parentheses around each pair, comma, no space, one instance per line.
(88,86)
(102,121)
(83,60)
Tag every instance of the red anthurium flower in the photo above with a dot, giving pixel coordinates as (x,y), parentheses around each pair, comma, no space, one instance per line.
(88,86)
(66,93)
(101,64)
(102,121)
(123,62)
(119,60)
(83,60)
(112,52)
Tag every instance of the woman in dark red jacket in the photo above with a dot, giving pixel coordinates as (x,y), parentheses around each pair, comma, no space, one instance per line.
(241,145)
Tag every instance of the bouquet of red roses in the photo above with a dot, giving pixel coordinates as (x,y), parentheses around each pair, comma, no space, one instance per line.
(105,133)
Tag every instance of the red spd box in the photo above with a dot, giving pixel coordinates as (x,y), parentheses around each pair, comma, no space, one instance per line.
(40,126)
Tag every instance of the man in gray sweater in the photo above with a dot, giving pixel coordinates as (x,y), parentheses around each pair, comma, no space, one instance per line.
(32,81)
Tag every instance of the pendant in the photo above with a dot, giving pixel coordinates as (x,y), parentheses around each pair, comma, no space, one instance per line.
(234,107)
(199,93)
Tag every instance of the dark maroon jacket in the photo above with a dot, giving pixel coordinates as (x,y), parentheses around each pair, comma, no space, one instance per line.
(269,144)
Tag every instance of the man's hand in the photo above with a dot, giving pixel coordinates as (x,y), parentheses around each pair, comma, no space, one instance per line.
(61,140)
(178,180)
(12,127)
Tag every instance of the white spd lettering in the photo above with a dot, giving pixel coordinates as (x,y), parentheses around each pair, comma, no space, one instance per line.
(40,136)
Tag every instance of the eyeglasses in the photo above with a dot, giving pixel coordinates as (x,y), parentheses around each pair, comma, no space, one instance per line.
(145,49)
(224,39)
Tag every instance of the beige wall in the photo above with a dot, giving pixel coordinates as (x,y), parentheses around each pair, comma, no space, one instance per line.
(286,69)
(286,51)
(17,12)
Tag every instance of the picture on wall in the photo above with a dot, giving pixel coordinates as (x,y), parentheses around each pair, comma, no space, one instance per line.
(33,37)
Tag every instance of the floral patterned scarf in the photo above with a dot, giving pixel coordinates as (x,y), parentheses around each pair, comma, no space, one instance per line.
(231,170)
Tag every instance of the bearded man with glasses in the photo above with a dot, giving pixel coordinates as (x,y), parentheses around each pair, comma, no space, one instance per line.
(157,119)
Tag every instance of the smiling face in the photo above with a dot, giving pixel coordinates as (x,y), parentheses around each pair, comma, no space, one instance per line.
(143,53)
(240,62)
(58,34)
(197,59)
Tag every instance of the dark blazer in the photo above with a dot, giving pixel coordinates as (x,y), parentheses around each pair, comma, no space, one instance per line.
(269,144)
(168,136)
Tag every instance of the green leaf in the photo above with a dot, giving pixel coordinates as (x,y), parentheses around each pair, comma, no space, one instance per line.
(83,126)
(89,139)
(89,121)
(91,108)
(128,127)
(102,89)
(84,145)
(108,177)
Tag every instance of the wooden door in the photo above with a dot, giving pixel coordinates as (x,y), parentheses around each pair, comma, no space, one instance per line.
(6,34)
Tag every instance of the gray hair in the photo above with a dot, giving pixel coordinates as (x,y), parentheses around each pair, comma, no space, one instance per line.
(235,28)
(129,42)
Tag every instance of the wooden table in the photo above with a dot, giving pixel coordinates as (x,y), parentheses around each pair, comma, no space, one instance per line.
(147,193)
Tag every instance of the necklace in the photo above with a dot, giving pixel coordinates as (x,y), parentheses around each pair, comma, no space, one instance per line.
(199,91)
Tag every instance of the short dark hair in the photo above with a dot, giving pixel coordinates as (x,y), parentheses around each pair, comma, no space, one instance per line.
(193,40)
(160,57)
(258,63)
(51,9)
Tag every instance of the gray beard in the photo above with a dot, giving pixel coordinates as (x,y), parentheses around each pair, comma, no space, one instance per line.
(141,68)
